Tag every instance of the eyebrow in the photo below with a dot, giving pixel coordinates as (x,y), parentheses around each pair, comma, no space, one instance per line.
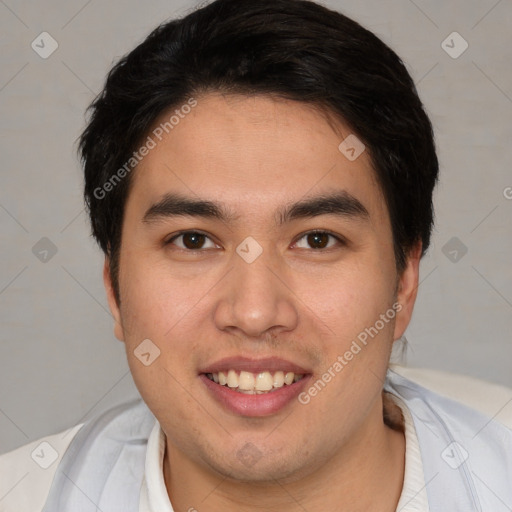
(341,204)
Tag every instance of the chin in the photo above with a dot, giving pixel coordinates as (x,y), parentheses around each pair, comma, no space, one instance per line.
(250,465)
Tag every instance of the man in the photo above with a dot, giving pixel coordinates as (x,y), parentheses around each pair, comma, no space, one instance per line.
(259,175)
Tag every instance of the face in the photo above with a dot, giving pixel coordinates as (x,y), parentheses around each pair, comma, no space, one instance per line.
(282,271)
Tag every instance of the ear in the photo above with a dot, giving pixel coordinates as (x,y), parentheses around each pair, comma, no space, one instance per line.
(114,308)
(407,290)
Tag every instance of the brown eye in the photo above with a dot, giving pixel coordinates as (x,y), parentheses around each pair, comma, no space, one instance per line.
(318,240)
(190,240)
(193,240)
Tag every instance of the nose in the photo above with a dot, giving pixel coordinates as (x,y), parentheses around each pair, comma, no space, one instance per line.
(256,298)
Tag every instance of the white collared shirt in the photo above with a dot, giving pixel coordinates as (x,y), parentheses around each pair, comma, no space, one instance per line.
(26,473)
(154,497)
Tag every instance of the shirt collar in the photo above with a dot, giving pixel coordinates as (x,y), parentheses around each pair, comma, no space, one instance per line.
(154,497)
(414,493)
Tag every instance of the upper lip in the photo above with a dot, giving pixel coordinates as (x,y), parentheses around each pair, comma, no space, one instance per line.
(271,364)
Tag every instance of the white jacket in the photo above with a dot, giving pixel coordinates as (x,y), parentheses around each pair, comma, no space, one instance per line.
(112,463)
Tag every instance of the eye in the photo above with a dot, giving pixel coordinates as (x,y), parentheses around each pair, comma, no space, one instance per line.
(318,240)
(191,240)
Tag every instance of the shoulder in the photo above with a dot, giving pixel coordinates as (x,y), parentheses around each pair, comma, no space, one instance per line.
(464,430)
(492,400)
(27,472)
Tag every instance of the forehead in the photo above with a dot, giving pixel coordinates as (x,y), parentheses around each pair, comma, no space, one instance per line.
(252,151)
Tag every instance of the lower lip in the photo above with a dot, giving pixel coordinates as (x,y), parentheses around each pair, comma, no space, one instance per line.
(255,405)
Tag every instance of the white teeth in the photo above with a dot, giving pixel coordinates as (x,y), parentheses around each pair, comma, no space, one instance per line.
(251,384)
(278,379)
(232,379)
(264,381)
(246,381)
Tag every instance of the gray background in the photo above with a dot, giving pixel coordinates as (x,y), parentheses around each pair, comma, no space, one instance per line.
(59,361)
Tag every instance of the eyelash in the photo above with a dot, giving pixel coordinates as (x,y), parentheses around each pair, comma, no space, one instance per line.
(338,238)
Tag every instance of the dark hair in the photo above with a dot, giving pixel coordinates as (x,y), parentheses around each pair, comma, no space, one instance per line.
(293,49)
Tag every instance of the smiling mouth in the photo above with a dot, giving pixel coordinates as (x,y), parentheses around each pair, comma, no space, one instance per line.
(254,383)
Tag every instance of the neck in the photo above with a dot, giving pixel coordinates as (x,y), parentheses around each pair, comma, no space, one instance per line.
(365,474)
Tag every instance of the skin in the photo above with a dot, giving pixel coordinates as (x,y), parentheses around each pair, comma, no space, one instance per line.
(255,155)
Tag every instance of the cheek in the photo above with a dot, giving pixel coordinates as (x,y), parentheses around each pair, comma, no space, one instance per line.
(158,317)
(348,300)
(154,300)
(159,306)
